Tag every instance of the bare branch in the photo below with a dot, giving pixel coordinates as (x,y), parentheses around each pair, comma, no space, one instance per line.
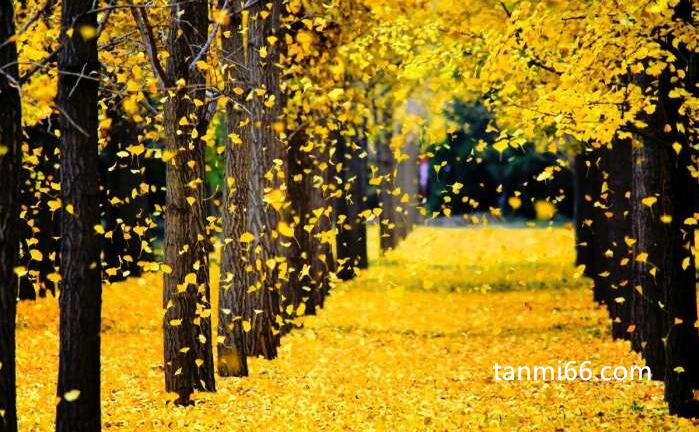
(208,42)
(13,81)
(53,54)
(46,8)
(507,11)
(205,116)
(71,121)
(146,31)
(214,30)
(534,61)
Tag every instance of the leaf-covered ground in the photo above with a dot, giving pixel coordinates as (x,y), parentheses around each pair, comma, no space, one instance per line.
(410,345)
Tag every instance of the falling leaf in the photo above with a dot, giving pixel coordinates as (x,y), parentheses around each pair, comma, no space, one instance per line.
(36,255)
(71,395)
(247,237)
(649,201)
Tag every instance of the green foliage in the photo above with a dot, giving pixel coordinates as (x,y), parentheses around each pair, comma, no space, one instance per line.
(491,178)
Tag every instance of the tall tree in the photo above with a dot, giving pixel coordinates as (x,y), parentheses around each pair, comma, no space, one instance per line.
(252,267)
(189,362)
(10,151)
(310,184)
(81,287)
(665,307)
(682,343)
(389,230)
(232,356)
(351,238)
(306,208)
(265,180)
(407,172)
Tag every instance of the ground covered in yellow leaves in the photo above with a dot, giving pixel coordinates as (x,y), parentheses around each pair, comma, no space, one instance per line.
(410,345)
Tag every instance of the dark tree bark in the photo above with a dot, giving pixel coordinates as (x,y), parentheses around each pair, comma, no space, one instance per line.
(351,237)
(684,12)
(619,230)
(664,290)
(304,251)
(682,343)
(326,257)
(232,355)
(269,174)
(584,239)
(256,168)
(81,286)
(10,156)
(390,218)
(664,274)
(664,307)
(187,321)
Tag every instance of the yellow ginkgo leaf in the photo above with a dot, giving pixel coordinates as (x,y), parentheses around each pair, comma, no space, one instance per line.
(36,255)
(285,230)
(649,201)
(247,237)
(71,395)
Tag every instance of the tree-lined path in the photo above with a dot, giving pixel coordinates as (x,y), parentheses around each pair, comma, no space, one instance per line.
(409,345)
(347,214)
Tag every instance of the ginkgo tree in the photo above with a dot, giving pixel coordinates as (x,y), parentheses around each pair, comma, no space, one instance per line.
(10,154)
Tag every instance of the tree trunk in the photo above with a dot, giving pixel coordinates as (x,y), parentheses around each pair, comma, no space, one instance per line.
(326,257)
(187,321)
(81,288)
(406,179)
(682,343)
(305,198)
(264,176)
(665,297)
(619,230)
(584,240)
(665,310)
(351,237)
(232,356)
(390,218)
(656,221)
(10,153)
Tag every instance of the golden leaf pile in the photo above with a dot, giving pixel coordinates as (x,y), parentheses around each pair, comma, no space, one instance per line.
(407,346)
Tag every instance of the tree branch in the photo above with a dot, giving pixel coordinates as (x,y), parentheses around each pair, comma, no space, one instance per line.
(45,9)
(146,30)
(71,121)
(53,54)
(214,30)
(507,11)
